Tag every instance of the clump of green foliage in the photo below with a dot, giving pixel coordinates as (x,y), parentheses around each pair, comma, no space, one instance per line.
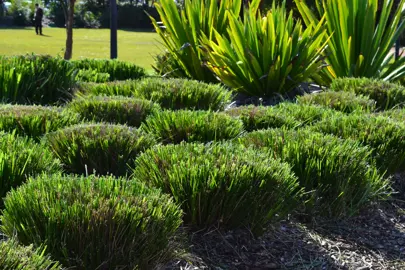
(91,222)
(35,121)
(221,184)
(114,109)
(98,148)
(338,175)
(347,102)
(192,126)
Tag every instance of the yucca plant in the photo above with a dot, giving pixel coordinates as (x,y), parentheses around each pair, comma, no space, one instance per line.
(184,29)
(361,42)
(265,56)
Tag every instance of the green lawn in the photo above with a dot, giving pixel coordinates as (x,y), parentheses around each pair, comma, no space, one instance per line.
(136,47)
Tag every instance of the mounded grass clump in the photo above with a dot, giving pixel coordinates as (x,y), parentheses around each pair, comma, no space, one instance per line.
(98,148)
(220,184)
(337,175)
(347,102)
(17,257)
(114,109)
(286,114)
(92,223)
(386,137)
(395,114)
(35,121)
(118,70)
(172,94)
(192,126)
(387,95)
(21,157)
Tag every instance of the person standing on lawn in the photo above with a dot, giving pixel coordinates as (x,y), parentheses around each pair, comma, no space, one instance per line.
(39,14)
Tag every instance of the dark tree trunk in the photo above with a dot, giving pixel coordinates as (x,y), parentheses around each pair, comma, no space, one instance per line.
(69,30)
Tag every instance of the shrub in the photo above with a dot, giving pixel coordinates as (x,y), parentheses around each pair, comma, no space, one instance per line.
(265,56)
(90,223)
(395,115)
(116,109)
(220,184)
(172,94)
(35,121)
(360,43)
(347,102)
(36,79)
(192,126)
(98,148)
(118,70)
(20,158)
(16,257)
(89,75)
(387,95)
(337,175)
(386,137)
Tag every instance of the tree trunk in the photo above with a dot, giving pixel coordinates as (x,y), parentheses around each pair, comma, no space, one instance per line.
(69,30)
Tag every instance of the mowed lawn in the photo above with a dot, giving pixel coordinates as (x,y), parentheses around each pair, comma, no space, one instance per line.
(133,46)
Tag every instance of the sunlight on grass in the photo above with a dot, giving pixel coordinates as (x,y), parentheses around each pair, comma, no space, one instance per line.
(136,47)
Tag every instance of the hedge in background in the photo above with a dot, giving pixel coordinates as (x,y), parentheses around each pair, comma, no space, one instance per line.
(338,175)
(91,222)
(20,158)
(192,126)
(386,137)
(386,94)
(36,79)
(347,102)
(115,109)
(16,257)
(220,184)
(98,148)
(118,70)
(169,93)
(35,121)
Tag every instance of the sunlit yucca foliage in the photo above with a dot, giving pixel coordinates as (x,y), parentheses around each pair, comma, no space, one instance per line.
(36,79)
(21,157)
(98,148)
(221,184)
(259,117)
(114,109)
(92,223)
(266,55)
(90,75)
(16,257)
(386,137)
(184,29)
(338,175)
(118,70)
(172,94)
(35,121)
(347,102)
(387,95)
(192,126)
(360,40)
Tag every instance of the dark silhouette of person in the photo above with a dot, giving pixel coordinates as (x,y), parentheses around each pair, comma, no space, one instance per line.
(39,14)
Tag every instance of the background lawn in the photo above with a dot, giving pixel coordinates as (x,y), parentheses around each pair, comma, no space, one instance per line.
(133,46)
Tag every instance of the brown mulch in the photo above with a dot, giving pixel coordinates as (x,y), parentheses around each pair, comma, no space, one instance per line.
(374,239)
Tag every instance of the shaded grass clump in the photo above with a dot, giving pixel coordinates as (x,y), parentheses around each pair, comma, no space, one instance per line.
(221,184)
(338,175)
(386,137)
(21,157)
(347,102)
(114,109)
(35,121)
(17,257)
(174,94)
(192,126)
(92,223)
(98,148)
(386,94)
